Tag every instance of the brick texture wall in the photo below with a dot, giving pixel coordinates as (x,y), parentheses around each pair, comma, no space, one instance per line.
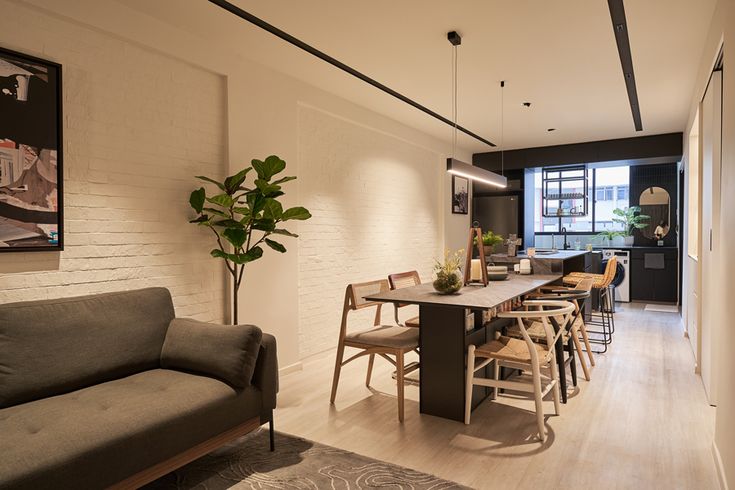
(375,201)
(137,127)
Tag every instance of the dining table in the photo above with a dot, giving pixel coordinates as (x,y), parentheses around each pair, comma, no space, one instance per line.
(449,323)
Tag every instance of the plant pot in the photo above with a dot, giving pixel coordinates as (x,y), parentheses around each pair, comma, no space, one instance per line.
(447,283)
(488,249)
(628,240)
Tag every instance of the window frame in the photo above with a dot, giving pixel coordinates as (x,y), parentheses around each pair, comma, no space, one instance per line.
(593,230)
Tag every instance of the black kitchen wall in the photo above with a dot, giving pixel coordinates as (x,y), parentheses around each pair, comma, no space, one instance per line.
(665,176)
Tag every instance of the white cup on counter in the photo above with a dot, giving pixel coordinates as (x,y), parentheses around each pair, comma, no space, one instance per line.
(525,266)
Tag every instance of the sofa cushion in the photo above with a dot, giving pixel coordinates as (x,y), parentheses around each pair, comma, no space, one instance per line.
(100,435)
(55,346)
(228,352)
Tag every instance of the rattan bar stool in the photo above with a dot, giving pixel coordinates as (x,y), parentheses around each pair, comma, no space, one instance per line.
(525,355)
(382,340)
(605,318)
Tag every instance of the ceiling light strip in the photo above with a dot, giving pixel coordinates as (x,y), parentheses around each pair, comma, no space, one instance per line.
(478,174)
(338,64)
(620,28)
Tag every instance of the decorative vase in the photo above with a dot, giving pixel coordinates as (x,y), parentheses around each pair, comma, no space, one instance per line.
(488,249)
(448,283)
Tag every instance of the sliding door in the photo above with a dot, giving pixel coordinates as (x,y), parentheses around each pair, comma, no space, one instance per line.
(710,298)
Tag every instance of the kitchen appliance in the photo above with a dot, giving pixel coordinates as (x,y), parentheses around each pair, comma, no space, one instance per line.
(621,281)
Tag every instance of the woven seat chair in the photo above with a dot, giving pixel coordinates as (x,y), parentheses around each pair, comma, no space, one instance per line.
(382,340)
(404,280)
(570,337)
(601,284)
(525,355)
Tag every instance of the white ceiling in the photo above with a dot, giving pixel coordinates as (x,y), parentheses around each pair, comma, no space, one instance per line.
(559,55)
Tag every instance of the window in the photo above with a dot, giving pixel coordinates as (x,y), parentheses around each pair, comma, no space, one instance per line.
(609,188)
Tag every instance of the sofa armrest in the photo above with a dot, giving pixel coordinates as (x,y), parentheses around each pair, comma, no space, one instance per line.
(265,377)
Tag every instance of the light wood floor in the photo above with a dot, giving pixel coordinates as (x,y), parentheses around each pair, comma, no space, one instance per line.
(641,422)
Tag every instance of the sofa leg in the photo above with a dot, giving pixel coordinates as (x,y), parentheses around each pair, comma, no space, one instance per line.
(272,433)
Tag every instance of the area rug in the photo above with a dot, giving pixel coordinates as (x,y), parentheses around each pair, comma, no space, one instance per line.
(662,308)
(297,464)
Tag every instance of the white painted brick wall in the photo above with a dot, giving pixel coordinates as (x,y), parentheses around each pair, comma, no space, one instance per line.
(375,201)
(137,127)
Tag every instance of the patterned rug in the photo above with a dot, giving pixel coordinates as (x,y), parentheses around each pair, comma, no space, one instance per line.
(295,464)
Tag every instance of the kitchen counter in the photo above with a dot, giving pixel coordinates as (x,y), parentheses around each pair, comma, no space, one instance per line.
(559,262)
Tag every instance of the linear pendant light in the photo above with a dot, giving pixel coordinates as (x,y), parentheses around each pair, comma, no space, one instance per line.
(454,166)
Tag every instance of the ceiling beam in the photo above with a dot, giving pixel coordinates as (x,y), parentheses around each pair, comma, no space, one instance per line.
(247,16)
(620,28)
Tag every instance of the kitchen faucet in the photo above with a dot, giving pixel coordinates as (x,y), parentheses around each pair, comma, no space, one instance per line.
(566,245)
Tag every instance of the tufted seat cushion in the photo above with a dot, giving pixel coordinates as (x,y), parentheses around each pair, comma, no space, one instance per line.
(97,436)
(387,336)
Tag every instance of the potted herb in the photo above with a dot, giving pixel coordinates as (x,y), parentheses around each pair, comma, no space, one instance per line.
(448,276)
(608,236)
(489,240)
(631,219)
(245,218)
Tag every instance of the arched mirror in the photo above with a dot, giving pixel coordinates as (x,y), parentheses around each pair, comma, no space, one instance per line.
(655,202)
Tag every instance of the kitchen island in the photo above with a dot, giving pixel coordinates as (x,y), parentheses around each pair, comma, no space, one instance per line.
(449,324)
(549,261)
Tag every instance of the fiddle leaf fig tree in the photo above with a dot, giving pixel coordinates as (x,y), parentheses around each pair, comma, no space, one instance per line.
(246,218)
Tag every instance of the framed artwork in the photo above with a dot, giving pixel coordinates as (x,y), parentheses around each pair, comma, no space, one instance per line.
(31,217)
(460,194)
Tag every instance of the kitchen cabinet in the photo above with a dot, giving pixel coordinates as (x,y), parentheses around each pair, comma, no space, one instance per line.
(648,282)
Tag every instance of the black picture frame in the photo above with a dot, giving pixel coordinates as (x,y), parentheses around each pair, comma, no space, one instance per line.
(31,154)
(460,195)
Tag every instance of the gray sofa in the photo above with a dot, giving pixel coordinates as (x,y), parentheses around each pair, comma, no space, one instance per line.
(112,390)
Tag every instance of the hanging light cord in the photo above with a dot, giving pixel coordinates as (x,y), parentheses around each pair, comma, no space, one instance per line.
(502,126)
(454,99)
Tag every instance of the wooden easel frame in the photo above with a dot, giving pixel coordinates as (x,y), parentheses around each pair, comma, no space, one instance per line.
(475,235)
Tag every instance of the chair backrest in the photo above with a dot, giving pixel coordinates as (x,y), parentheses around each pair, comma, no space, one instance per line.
(610,270)
(547,309)
(355,300)
(403,280)
(584,285)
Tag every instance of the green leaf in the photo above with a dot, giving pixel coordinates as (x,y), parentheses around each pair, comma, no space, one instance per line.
(203,218)
(236,236)
(273,209)
(275,245)
(232,183)
(224,200)
(207,179)
(281,231)
(253,254)
(245,211)
(219,254)
(265,188)
(270,167)
(256,203)
(297,212)
(283,180)
(228,223)
(196,199)
(216,212)
(265,224)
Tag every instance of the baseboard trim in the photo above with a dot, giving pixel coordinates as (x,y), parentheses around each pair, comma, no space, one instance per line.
(297,366)
(721,477)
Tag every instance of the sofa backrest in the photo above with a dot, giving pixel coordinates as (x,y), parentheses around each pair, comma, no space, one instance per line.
(55,346)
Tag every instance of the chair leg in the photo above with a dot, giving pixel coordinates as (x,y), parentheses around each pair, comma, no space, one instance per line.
(337,369)
(470,374)
(271,432)
(496,376)
(539,402)
(559,352)
(399,381)
(572,361)
(580,355)
(371,360)
(587,344)
(555,389)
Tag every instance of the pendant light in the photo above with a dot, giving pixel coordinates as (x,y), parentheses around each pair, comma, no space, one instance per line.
(454,166)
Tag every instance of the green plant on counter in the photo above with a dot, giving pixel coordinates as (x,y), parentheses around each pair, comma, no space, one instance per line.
(490,239)
(609,235)
(631,218)
(237,213)
(448,278)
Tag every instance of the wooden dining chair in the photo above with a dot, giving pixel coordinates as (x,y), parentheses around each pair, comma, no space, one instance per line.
(382,340)
(525,355)
(404,280)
